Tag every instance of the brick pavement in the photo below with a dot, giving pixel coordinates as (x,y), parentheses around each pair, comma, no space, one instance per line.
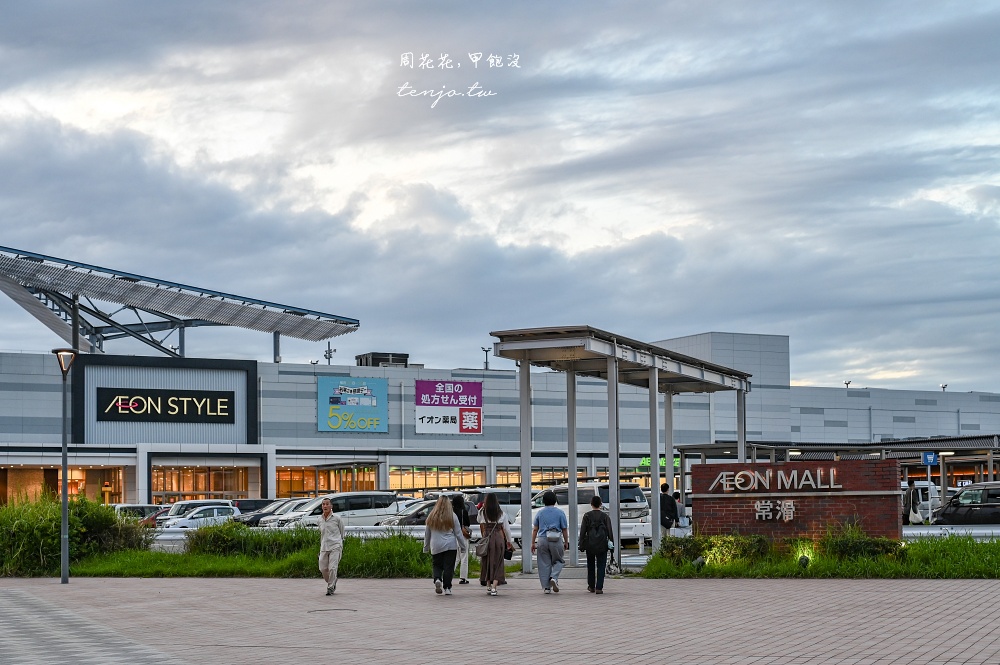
(704,622)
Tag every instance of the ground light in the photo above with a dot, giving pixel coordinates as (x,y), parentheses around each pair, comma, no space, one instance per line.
(804,561)
(65,358)
(698,563)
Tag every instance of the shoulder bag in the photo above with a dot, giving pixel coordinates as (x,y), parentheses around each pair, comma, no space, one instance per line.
(483,546)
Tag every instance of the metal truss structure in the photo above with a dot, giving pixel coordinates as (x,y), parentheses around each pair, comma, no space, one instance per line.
(66,297)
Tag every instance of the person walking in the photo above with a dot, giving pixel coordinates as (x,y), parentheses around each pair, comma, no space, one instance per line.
(682,518)
(668,508)
(595,534)
(331,545)
(550,538)
(443,538)
(911,503)
(493,525)
(458,505)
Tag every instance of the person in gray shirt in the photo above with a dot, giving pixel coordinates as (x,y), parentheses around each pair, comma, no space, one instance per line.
(331,545)
(443,538)
(550,537)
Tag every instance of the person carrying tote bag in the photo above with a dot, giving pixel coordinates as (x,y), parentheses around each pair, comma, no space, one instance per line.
(494,529)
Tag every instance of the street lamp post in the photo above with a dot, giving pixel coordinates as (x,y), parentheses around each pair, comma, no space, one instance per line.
(65,358)
(486,350)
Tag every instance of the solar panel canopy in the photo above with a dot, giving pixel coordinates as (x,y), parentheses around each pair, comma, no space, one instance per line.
(44,273)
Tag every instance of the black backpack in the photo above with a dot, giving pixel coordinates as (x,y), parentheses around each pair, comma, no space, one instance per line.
(597,536)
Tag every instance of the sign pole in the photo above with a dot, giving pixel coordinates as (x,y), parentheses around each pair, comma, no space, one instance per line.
(929,505)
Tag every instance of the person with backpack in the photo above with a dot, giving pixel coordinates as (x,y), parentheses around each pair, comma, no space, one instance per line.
(595,535)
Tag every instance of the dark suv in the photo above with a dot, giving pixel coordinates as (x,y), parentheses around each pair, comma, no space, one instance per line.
(251,505)
(978,503)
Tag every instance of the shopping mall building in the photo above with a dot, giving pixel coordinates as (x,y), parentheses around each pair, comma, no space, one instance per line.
(144,428)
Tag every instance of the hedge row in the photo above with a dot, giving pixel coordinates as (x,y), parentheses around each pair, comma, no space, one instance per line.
(30,534)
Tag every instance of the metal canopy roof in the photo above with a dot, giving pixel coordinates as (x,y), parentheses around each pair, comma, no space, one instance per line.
(586,350)
(902,449)
(44,285)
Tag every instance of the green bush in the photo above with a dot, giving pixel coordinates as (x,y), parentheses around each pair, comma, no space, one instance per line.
(232,538)
(714,549)
(392,556)
(30,534)
(850,542)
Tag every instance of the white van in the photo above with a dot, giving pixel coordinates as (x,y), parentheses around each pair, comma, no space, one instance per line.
(354,508)
(509,498)
(924,489)
(633,507)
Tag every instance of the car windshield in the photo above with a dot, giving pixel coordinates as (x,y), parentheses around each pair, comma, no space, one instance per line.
(180,508)
(414,507)
(272,507)
(625,494)
(291,505)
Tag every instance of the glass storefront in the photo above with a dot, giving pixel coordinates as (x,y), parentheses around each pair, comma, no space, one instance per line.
(103,484)
(436,477)
(541,476)
(174,483)
(307,481)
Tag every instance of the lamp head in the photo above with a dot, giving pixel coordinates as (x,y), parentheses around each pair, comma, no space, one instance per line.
(65,358)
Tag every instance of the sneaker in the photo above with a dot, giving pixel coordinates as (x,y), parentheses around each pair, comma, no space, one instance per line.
(463,581)
(447,592)
(599,591)
(554,583)
(438,587)
(329,591)
(548,590)
(590,589)
(493,591)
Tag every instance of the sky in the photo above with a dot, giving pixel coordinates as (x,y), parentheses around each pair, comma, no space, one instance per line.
(439,170)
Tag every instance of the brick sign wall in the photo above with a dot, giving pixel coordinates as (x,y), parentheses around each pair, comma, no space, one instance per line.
(796,498)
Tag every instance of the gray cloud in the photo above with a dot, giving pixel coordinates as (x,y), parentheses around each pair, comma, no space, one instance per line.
(826,171)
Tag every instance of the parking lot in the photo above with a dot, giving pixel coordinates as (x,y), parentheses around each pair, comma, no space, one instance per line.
(700,622)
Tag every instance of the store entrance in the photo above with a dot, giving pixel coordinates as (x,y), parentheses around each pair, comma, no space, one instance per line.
(176,483)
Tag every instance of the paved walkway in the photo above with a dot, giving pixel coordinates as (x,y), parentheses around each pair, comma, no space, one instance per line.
(703,622)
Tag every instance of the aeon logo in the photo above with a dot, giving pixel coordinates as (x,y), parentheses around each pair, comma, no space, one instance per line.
(793,479)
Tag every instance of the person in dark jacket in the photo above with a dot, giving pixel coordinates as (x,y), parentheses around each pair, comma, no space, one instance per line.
(911,502)
(595,534)
(668,507)
(458,505)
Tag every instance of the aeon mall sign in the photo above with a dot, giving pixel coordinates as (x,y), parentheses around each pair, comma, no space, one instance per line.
(796,498)
(751,480)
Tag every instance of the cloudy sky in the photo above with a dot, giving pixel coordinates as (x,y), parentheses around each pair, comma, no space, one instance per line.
(824,170)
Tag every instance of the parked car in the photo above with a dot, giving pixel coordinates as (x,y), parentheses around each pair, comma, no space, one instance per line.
(509,498)
(252,518)
(633,506)
(203,516)
(978,503)
(154,519)
(180,508)
(354,508)
(289,508)
(251,505)
(138,510)
(414,514)
(470,506)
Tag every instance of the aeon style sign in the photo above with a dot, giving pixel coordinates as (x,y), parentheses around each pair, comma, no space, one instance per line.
(166,406)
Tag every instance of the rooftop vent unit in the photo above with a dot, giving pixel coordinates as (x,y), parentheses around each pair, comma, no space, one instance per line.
(379,359)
